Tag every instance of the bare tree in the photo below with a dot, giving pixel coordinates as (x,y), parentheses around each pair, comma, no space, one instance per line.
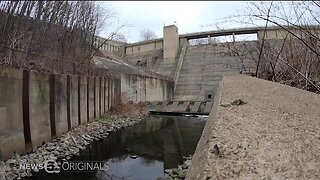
(202,41)
(120,37)
(53,35)
(292,56)
(147,34)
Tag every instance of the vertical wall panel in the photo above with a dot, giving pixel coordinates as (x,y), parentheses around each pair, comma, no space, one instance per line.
(74,119)
(61,104)
(40,107)
(97,96)
(83,99)
(91,99)
(12,129)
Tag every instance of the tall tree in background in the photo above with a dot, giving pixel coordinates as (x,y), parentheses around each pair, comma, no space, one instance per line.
(120,37)
(147,34)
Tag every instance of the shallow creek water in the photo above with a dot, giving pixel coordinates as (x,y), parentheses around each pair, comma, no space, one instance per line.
(139,152)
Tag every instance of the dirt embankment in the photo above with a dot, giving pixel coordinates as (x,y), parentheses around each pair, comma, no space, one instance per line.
(275,134)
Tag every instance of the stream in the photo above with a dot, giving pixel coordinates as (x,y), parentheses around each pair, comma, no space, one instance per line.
(140,152)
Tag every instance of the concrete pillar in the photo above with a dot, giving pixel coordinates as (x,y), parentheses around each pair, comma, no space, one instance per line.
(170,42)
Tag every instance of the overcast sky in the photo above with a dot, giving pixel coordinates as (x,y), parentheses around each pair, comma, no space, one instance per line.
(190,16)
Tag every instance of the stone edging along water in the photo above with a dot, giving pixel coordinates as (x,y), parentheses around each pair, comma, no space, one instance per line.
(66,146)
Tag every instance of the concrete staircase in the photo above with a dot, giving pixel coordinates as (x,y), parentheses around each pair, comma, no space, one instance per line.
(202,71)
(168,67)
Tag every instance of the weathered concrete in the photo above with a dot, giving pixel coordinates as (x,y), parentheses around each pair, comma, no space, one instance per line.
(195,107)
(203,66)
(61,122)
(202,70)
(102,96)
(11,122)
(74,116)
(112,99)
(139,89)
(145,46)
(39,108)
(91,105)
(83,99)
(179,64)
(275,135)
(109,45)
(155,90)
(56,103)
(180,107)
(107,94)
(97,97)
(170,42)
(129,88)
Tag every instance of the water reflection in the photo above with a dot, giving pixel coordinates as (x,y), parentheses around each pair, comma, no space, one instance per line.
(142,151)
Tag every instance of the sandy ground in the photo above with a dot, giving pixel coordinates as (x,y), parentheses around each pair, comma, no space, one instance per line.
(275,135)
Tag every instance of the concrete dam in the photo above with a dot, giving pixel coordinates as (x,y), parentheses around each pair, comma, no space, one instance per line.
(195,69)
(248,132)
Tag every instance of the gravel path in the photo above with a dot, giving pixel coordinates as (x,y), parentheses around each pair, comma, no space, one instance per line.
(275,134)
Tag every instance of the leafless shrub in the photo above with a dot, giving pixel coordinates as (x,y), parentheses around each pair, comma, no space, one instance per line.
(292,56)
(147,34)
(55,34)
(203,41)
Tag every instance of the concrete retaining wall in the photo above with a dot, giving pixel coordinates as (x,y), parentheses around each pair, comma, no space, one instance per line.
(140,89)
(11,124)
(91,93)
(97,97)
(83,82)
(37,107)
(74,111)
(61,104)
(144,46)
